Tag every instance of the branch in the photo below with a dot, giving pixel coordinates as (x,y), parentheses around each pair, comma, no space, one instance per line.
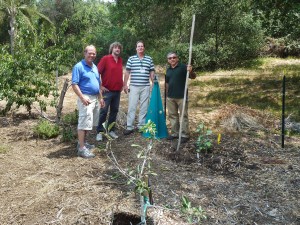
(117,165)
(42,114)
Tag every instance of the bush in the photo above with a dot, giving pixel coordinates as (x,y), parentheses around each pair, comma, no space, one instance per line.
(71,118)
(281,47)
(67,134)
(46,130)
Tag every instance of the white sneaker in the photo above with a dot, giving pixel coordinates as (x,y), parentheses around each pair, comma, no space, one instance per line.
(85,153)
(113,135)
(87,145)
(99,137)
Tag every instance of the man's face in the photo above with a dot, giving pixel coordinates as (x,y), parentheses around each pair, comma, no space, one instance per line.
(116,50)
(172,59)
(90,54)
(140,48)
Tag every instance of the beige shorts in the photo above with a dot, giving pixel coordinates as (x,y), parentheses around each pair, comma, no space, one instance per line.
(88,115)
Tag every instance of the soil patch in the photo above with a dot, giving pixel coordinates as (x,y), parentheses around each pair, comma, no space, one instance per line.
(246,179)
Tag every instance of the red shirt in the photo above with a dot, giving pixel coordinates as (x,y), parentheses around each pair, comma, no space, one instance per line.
(111,73)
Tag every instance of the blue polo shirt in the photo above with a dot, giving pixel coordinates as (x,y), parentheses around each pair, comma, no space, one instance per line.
(87,78)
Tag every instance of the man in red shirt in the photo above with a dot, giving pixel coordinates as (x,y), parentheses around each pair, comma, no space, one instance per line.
(111,71)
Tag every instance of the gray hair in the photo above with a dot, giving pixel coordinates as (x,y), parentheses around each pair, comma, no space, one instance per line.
(171,53)
(113,45)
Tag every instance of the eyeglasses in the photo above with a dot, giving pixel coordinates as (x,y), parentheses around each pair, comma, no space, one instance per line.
(174,57)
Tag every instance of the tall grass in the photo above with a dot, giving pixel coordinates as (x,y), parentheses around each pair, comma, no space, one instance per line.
(258,86)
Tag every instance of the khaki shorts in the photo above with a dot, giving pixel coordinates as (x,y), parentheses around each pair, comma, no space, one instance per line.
(88,115)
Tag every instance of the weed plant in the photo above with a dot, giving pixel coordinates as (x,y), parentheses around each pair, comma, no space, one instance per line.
(3,149)
(67,134)
(71,118)
(46,130)
(204,142)
(192,214)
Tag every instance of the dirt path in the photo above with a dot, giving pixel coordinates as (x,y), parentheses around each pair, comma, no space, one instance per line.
(246,180)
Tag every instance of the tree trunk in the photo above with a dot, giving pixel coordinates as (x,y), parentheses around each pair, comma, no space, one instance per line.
(61,101)
(217,42)
(11,32)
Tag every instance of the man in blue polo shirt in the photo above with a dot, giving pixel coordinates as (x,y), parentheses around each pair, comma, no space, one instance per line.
(140,68)
(86,84)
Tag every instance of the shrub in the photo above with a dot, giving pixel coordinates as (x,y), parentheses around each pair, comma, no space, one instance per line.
(203,142)
(67,134)
(71,118)
(45,129)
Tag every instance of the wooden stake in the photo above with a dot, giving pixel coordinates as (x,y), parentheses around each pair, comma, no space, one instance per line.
(186,83)
(61,101)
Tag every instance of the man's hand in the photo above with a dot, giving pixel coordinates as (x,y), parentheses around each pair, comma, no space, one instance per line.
(192,75)
(85,101)
(102,103)
(104,89)
(125,88)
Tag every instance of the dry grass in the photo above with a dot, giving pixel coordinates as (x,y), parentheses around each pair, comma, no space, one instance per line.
(247,179)
(234,118)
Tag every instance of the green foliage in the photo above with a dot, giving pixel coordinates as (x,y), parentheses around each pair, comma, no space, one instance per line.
(3,149)
(194,215)
(257,88)
(226,34)
(27,76)
(139,175)
(144,168)
(203,142)
(67,134)
(141,187)
(279,18)
(149,127)
(45,129)
(71,118)
(149,20)
(281,47)
(4,25)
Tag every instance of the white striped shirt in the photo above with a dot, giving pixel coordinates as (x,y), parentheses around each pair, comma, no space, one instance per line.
(140,70)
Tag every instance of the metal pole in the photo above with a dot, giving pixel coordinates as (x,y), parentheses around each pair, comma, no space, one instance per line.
(186,82)
(283,112)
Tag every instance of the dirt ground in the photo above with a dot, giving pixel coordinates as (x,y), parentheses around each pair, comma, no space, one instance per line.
(246,179)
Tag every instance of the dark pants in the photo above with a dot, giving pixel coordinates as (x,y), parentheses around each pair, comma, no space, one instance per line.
(112,102)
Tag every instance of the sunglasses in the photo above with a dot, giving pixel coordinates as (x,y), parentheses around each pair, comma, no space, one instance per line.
(174,57)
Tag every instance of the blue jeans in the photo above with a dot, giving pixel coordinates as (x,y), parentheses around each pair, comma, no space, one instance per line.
(112,102)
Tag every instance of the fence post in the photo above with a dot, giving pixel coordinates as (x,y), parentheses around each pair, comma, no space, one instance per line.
(283,112)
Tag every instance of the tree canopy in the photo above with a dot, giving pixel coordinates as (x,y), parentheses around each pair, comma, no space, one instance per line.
(227,33)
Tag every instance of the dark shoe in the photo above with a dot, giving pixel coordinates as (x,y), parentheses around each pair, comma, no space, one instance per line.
(171,137)
(127,132)
(184,139)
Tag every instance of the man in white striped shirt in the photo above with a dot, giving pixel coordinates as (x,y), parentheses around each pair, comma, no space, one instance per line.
(140,68)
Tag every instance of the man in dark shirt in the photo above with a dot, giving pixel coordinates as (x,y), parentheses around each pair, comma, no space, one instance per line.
(111,72)
(175,86)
